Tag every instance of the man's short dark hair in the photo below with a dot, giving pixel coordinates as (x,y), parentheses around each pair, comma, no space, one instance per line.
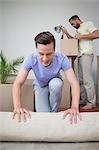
(74,17)
(44,38)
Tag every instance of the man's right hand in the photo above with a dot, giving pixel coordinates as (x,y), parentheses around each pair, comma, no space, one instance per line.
(64,30)
(21,113)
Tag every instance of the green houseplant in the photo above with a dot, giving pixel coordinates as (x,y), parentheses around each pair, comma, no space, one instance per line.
(8,69)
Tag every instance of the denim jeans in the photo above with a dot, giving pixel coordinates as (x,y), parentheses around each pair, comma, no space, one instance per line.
(48,98)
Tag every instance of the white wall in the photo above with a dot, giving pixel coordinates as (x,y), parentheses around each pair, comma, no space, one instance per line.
(21,20)
(0,26)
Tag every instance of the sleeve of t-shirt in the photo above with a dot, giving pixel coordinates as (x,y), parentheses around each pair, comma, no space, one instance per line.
(27,63)
(90,27)
(66,64)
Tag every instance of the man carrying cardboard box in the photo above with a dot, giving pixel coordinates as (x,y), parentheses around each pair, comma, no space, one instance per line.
(86,32)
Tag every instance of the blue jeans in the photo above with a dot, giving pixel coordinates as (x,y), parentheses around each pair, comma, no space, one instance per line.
(47,99)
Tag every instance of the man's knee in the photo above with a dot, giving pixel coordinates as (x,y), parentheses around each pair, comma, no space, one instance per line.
(55,84)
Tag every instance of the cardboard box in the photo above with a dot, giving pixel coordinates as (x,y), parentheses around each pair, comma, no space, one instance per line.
(6,100)
(66,97)
(98,80)
(69,47)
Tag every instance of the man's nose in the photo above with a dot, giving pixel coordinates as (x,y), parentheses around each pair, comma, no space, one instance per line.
(45,57)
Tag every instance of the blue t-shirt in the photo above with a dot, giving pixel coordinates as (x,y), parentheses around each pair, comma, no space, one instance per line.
(45,74)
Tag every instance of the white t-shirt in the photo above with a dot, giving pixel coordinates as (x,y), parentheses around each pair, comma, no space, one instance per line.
(85,46)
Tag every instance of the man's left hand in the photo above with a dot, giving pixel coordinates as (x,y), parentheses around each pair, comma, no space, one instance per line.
(78,36)
(74,114)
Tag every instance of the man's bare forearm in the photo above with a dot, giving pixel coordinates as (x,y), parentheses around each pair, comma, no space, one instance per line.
(68,35)
(75,89)
(91,36)
(64,30)
(16,95)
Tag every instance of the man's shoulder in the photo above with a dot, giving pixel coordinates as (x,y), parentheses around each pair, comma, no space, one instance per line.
(33,54)
(88,23)
(60,57)
(32,58)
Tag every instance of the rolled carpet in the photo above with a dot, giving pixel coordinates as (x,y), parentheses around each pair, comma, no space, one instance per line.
(50,127)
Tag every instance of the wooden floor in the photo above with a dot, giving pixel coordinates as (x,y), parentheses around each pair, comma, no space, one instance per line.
(95,109)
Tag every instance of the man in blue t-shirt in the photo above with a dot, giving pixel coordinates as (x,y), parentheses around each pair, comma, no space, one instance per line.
(46,65)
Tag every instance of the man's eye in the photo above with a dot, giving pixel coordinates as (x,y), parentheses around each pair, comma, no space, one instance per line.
(48,54)
(41,54)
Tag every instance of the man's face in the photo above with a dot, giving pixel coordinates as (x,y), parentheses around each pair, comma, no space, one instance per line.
(45,53)
(75,23)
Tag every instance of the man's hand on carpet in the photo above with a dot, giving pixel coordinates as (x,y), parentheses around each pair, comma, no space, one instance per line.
(73,114)
(22,114)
